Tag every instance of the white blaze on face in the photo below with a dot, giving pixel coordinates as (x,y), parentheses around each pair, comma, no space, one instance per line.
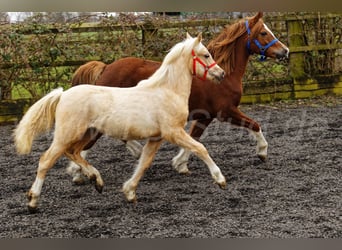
(265,26)
(283,45)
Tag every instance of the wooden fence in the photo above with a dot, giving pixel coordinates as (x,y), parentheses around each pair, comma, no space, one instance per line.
(314,67)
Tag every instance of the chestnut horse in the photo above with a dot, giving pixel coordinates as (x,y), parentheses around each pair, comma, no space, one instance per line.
(231,49)
(85,109)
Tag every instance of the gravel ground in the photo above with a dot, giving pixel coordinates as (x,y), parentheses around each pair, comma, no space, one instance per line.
(296,193)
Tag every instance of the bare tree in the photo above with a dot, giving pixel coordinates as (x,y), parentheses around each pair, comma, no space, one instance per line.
(4,17)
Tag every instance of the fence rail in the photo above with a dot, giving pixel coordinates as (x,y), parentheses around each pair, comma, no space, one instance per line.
(36,57)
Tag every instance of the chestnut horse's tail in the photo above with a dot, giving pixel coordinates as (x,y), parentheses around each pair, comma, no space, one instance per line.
(88,73)
(38,119)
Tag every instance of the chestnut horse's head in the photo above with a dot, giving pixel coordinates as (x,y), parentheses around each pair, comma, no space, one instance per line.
(261,39)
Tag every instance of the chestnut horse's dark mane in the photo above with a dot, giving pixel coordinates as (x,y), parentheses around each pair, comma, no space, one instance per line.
(222,48)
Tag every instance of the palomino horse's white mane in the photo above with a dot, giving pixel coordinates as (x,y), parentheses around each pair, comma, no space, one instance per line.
(165,74)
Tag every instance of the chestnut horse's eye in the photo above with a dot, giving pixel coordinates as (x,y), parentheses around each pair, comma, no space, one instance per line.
(264,33)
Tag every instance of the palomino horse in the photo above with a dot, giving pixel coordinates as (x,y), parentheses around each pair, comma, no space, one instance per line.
(231,49)
(81,111)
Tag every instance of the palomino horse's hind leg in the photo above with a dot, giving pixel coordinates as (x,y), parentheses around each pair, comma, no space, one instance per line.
(145,160)
(47,160)
(181,138)
(74,154)
(180,161)
(74,170)
(88,170)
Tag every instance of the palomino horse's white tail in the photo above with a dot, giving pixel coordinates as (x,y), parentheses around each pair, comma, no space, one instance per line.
(38,119)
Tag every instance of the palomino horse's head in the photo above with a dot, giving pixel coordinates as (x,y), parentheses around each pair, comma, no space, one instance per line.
(262,41)
(202,64)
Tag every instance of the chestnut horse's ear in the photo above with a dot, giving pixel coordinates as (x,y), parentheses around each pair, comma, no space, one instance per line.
(255,18)
(260,15)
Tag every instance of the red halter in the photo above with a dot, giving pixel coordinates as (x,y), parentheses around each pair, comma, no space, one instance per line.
(206,67)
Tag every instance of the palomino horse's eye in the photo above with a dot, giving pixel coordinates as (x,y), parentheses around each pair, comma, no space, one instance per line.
(206,56)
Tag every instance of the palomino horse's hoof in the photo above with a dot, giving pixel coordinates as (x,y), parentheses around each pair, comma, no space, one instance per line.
(222,184)
(32,210)
(99,188)
(132,200)
(263,158)
(98,184)
(79,181)
(130,196)
(32,205)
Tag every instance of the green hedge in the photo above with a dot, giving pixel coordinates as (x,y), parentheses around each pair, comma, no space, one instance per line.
(36,57)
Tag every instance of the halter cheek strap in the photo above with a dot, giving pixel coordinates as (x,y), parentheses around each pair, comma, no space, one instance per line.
(258,44)
(206,67)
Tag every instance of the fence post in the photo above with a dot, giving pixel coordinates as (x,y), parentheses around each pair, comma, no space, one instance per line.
(148,31)
(295,34)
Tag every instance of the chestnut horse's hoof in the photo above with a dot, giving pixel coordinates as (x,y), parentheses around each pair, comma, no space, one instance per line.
(181,167)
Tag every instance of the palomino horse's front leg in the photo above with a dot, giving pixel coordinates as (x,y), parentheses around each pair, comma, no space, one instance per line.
(182,139)
(145,160)
(180,161)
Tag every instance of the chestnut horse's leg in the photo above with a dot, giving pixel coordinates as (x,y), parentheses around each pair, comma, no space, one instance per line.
(184,140)
(240,119)
(145,160)
(235,117)
(134,147)
(180,161)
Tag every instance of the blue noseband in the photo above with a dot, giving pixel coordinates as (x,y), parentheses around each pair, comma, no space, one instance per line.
(257,43)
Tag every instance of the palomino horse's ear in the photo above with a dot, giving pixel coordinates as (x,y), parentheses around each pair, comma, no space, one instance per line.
(255,18)
(199,37)
(188,36)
